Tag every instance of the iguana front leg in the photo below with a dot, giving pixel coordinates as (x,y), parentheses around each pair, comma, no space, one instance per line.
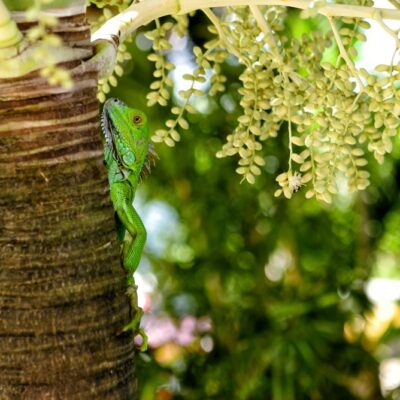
(122,197)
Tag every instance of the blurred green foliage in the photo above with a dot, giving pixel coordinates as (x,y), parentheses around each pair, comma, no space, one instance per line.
(282,281)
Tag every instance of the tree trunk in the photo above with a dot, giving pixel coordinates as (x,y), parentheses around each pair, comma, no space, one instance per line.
(62,288)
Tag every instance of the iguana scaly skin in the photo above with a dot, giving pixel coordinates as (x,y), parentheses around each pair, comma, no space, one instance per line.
(128,154)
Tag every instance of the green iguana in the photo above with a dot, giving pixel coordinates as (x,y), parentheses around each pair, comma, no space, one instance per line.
(128,154)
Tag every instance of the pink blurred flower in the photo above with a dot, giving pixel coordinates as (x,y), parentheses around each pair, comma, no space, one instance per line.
(162,330)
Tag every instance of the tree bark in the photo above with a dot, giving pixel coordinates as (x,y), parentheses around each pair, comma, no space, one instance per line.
(62,288)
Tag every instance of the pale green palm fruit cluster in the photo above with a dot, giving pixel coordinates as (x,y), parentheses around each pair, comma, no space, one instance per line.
(108,9)
(39,39)
(331,114)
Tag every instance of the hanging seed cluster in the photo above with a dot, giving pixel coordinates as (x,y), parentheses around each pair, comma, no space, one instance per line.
(331,115)
(210,59)
(104,85)
(110,8)
(41,33)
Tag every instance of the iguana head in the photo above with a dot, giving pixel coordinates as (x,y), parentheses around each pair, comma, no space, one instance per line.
(126,134)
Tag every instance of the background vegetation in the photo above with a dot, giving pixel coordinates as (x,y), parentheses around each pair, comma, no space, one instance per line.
(249,296)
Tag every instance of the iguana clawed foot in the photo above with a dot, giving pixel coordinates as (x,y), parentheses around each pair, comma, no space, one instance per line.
(134,324)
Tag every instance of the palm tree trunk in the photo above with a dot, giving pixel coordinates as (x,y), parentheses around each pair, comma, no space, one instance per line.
(62,289)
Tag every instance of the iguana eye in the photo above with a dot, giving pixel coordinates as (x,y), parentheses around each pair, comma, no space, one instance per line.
(137,119)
